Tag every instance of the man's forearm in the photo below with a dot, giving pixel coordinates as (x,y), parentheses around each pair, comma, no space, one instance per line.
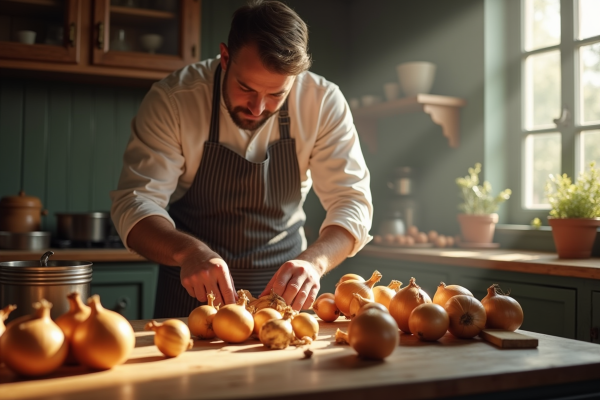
(331,248)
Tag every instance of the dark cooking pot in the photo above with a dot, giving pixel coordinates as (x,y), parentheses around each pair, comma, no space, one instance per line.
(21,213)
(83,227)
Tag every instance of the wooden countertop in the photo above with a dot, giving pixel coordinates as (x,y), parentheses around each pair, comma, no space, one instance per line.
(416,370)
(93,255)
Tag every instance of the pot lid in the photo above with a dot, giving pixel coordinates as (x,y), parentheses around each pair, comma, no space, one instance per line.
(21,200)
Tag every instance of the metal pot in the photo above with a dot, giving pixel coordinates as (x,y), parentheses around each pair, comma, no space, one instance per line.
(32,241)
(83,227)
(21,213)
(26,282)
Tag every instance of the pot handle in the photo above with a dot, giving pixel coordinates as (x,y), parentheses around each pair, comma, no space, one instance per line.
(44,259)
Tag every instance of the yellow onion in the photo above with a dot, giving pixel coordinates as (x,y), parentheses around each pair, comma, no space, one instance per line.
(78,312)
(272,300)
(444,292)
(324,296)
(172,337)
(370,306)
(467,316)
(34,345)
(305,325)
(357,303)
(502,311)
(373,334)
(405,301)
(201,318)
(233,323)
(383,294)
(345,290)
(4,313)
(278,334)
(429,321)
(262,316)
(350,277)
(326,309)
(104,339)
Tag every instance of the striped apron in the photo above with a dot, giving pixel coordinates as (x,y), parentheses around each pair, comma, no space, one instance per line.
(242,210)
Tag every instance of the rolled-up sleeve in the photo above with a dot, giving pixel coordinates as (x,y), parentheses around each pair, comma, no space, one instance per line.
(152,163)
(340,175)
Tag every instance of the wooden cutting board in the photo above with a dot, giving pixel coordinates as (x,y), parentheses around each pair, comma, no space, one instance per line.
(508,340)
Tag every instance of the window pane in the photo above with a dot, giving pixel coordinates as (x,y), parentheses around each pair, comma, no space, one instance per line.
(542,89)
(590,82)
(542,157)
(589,10)
(542,23)
(590,146)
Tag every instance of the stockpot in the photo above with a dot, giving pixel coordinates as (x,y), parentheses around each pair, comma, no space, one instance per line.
(83,227)
(25,282)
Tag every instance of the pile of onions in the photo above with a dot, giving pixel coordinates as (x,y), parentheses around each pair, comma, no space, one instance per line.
(372,334)
(201,318)
(405,301)
(503,312)
(443,293)
(272,300)
(172,337)
(370,306)
(278,334)
(262,316)
(428,322)
(4,313)
(233,323)
(325,308)
(33,345)
(350,277)
(467,316)
(78,312)
(305,325)
(104,339)
(345,290)
(383,294)
(357,303)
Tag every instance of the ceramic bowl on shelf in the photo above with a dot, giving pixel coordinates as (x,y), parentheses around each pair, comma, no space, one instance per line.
(416,77)
(151,42)
(369,100)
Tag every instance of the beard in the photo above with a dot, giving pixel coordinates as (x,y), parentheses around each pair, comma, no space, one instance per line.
(237,114)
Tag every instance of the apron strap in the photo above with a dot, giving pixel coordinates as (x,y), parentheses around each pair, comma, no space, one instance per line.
(216,107)
(284,121)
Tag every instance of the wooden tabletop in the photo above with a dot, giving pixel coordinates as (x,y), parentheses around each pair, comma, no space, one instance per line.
(416,370)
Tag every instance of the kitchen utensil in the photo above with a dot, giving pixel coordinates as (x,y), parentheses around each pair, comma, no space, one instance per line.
(26,282)
(119,43)
(416,77)
(26,37)
(151,42)
(83,227)
(21,213)
(33,241)
(508,339)
(392,225)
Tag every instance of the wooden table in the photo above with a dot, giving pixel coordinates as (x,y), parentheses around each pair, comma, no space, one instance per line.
(416,370)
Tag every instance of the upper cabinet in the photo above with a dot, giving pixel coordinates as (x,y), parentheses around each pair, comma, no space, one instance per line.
(139,40)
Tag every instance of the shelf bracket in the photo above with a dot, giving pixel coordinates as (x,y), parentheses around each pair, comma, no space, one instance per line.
(448,118)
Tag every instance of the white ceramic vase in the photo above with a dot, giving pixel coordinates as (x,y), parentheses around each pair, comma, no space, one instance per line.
(416,77)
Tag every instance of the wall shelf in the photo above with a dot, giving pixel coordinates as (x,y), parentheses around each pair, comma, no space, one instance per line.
(444,111)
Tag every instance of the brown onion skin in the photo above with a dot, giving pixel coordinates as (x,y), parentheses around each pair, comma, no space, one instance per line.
(326,309)
(350,277)
(325,296)
(305,324)
(429,322)
(384,294)
(78,312)
(262,316)
(467,316)
(344,292)
(201,318)
(373,334)
(405,301)
(503,312)
(233,323)
(372,306)
(444,292)
(171,337)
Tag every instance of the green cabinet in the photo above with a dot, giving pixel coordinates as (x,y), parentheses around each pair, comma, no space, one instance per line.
(595,330)
(127,288)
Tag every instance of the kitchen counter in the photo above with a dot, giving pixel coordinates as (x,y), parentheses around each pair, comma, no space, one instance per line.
(416,370)
(93,255)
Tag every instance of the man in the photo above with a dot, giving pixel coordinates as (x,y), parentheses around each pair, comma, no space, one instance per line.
(232,146)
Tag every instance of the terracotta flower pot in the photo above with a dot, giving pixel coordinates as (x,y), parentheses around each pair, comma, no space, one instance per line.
(478,228)
(574,237)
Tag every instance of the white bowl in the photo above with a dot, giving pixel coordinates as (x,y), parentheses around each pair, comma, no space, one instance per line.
(27,37)
(416,77)
(151,42)
(369,100)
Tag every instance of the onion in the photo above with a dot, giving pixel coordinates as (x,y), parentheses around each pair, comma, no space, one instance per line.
(373,334)
(341,337)
(201,318)
(305,325)
(345,290)
(371,306)
(172,337)
(503,312)
(350,277)
(429,321)
(467,316)
(4,313)
(406,300)
(103,340)
(34,345)
(357,303)
(443,293)
(277,334)
(325,296)
(233,323)
(78,312)
(326,309)
(262,316)
(272,300)
(383,294)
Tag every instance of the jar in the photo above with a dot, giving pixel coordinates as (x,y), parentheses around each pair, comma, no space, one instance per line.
(21,213)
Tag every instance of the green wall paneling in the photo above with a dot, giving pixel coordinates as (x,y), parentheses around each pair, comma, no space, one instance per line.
(595,313)
(135,283)
(11,136)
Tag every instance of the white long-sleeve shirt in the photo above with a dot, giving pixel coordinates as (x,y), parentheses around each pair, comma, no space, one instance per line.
(172,124)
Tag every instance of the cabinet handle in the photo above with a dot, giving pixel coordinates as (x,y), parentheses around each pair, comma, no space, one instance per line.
(72,35)
(193,50)
(101,35)
(121,305)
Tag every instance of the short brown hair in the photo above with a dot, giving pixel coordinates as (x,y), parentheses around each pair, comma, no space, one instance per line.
(279,33)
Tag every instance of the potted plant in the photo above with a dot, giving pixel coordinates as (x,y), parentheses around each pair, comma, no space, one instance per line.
(479,218)
(575,212)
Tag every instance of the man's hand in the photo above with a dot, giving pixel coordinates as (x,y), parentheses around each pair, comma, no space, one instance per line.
(298,282)
(201,276)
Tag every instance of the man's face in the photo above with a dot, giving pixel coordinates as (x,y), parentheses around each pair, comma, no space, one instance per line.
(251,92)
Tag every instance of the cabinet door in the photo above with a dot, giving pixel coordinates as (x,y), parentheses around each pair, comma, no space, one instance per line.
(595,334)
(40,30)
(158,35)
